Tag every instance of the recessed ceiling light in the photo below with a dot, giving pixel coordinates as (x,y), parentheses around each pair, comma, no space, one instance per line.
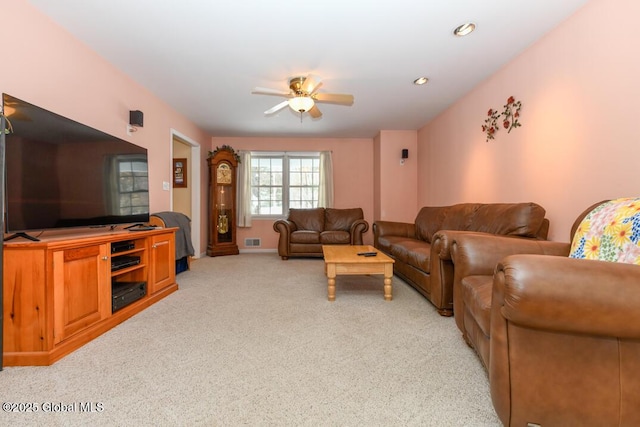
(464,29)
(420,81)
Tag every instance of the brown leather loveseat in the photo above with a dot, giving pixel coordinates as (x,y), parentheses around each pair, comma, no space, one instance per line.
(304,231)
(421,250)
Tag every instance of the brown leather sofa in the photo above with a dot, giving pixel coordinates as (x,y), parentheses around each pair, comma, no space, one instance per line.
(421,250)
(304,231)
(560,336)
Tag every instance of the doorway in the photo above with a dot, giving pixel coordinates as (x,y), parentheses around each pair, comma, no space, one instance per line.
(186,199)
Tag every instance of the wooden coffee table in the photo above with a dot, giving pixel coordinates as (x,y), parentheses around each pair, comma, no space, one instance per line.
(344,260)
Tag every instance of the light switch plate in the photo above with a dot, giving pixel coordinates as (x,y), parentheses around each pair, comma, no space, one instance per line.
(165,186)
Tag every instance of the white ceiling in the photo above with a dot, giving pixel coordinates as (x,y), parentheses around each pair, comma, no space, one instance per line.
(203,57)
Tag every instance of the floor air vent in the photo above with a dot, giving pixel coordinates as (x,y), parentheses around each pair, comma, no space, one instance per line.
(252,243)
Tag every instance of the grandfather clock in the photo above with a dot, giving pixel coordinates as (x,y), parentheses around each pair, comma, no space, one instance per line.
(223,163)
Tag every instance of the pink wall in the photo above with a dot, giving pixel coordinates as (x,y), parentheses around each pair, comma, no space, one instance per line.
(578,143)
(352,169)
(55,71)
(396,182)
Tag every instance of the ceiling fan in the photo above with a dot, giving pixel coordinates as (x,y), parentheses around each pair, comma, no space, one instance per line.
(303,95)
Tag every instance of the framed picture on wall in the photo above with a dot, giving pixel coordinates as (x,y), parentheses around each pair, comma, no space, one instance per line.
(179,173)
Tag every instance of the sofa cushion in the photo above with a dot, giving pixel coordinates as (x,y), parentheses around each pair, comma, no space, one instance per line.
(431,219)
(335,237)
(308,219)
(459,217)
(428,221)
(610,232)
(305,236)
(385,242)
(414,252)
(477,293)
(514,219)
(341,219)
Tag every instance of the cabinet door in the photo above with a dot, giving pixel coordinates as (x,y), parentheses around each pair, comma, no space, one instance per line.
(26,310)
(81,289)
(162,268)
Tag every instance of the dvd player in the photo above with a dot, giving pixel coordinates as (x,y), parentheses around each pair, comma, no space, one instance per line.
(122,246)
(124,261)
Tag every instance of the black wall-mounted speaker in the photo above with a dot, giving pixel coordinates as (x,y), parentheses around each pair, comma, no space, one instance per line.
(405,153)
(135,118)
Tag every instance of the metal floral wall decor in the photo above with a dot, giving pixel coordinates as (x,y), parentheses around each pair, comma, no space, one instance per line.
(510,118)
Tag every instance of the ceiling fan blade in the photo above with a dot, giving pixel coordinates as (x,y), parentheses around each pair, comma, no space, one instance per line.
(334,98)
(311,84)
(315,90)
(267,91)
(315,112)
(277,107)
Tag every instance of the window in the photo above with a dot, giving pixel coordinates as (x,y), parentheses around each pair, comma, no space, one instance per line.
(133,186)
(280,181)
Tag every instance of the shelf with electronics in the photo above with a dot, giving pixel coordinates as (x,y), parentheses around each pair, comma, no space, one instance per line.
(60,292)
(223,166)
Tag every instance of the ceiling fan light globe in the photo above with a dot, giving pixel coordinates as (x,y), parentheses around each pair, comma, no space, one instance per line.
(301,104)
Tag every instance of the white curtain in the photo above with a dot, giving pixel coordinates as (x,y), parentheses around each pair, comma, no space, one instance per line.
(244,189)
(325,198)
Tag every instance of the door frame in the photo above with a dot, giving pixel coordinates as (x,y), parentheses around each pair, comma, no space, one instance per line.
(195,185)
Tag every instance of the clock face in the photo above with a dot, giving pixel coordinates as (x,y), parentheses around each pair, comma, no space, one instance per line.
(223,174)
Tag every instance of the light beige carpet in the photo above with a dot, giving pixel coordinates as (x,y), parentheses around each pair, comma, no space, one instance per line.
(252,340)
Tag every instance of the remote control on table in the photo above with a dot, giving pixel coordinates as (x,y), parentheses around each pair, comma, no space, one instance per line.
(368,253)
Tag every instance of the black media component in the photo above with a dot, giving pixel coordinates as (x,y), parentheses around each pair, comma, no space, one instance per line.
(122,246)
(124,261)
(125,293)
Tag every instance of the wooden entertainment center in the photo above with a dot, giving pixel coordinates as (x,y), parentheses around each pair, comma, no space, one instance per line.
(58,291)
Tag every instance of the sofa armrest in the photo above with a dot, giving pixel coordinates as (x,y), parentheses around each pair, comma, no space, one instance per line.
(557,319)
(442,270)
(568,295)
(476,253)
(392,228)
(358,228)
(481,251)
(285,228)
(442,240)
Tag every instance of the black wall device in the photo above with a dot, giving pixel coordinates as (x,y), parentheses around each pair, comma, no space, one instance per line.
(405,153)
(135,118)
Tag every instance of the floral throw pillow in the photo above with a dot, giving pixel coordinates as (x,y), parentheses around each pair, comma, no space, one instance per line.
(610,232)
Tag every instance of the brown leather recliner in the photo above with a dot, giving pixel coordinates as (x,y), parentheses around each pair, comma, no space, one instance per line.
(565,342)
(475,256)
(304,231)
(560,336)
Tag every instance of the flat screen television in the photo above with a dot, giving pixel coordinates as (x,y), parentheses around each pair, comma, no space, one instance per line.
(61,173)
